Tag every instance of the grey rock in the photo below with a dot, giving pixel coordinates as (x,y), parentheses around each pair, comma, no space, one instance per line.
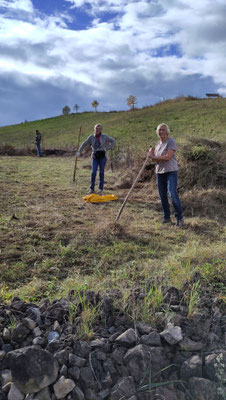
(118,355)
(37,332)
(90,395)
(6,335)
(141,358)
(74,372)
(172,334)
(143,329)
(152,339)
(87,379)
(165,393)
(81,349)
(127,338)
(32,369)
(100,355)
(103,394)
(64,370)
(77,394)
(29,323)
(62,356)
(76,361)
(98,343)
(62,387)
(56,326)
(2,355)
(215,365)
(123,388)
(20,333)
(109,366)
(44,394)
(5,376)
(189,345)
(39,341)
(14,393)
(202,389)
(191,367)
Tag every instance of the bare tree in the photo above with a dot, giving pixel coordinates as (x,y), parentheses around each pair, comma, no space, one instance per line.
(66,110)
(76,107)
(131,100)
(95,104)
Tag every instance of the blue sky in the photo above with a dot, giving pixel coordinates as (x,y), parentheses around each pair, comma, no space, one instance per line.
(65,52)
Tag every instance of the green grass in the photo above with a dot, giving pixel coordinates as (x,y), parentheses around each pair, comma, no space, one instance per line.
(199,118)
(52,241)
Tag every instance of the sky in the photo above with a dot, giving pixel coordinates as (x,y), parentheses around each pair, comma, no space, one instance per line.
(65,52)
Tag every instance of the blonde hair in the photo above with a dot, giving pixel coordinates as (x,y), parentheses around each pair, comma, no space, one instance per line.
(160,125)
(97,126)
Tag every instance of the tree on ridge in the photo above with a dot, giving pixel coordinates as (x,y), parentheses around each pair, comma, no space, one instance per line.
(76,107)
(95,104)
(66,110)
(131,100)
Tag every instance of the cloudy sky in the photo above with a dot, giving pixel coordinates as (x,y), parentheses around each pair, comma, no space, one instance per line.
(65,52)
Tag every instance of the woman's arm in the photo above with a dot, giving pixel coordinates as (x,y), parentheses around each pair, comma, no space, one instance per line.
(84,144)
(166,156)
(111,142)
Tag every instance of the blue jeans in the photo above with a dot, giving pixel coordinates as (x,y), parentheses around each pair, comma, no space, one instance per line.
(167,185)
(95,164)
(39,153)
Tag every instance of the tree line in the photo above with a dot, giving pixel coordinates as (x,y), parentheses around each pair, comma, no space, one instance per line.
(131,101)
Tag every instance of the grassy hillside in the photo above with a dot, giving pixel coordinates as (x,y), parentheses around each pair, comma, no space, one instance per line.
(199,118)
(52,241)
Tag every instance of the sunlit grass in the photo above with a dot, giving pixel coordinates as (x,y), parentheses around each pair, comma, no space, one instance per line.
(53,242)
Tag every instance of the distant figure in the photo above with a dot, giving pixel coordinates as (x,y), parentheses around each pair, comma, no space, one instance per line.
(164,154)
(38,139)
(99,142)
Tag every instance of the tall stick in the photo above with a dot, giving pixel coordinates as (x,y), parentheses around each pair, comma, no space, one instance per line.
(134,183)
(76,158)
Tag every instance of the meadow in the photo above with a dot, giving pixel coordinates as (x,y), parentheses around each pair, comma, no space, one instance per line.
(52,241)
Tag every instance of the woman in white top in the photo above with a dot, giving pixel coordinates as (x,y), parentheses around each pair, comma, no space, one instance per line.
(164,154)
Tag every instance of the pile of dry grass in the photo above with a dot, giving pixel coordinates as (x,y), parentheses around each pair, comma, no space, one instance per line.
(202,164)
(9,150)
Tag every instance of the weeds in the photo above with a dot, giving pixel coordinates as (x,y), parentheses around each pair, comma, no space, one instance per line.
(150,386)
(194,298)
(220,374)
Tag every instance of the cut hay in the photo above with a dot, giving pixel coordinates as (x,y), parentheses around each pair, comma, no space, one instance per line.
(202,164)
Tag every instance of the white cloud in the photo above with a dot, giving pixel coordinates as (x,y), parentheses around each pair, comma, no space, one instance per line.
(24,5)
(148,47)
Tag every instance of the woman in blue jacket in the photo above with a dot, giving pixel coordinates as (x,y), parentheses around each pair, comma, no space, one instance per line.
(100,143)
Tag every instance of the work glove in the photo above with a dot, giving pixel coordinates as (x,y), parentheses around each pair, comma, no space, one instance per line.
(77,153)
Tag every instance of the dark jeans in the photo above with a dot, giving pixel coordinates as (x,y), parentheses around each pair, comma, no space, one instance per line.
(167,185)
(39,153)
(95,164)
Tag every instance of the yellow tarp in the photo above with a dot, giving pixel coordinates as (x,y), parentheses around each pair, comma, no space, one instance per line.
(95,198)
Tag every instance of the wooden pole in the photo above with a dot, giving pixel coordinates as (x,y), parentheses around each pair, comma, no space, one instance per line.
(76,158)
(132,187)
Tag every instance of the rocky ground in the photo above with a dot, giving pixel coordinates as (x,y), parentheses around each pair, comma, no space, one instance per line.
(43,358)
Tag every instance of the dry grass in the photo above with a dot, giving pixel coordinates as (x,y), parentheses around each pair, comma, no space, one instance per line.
(52,241)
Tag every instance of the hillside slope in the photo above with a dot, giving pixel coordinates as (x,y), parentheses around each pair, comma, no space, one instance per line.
(199,118)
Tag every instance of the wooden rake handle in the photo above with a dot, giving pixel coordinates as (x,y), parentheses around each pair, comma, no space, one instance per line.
(76,158)
(131,189)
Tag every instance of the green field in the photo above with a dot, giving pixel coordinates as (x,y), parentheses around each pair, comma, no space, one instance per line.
(52,241)
(202,118)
